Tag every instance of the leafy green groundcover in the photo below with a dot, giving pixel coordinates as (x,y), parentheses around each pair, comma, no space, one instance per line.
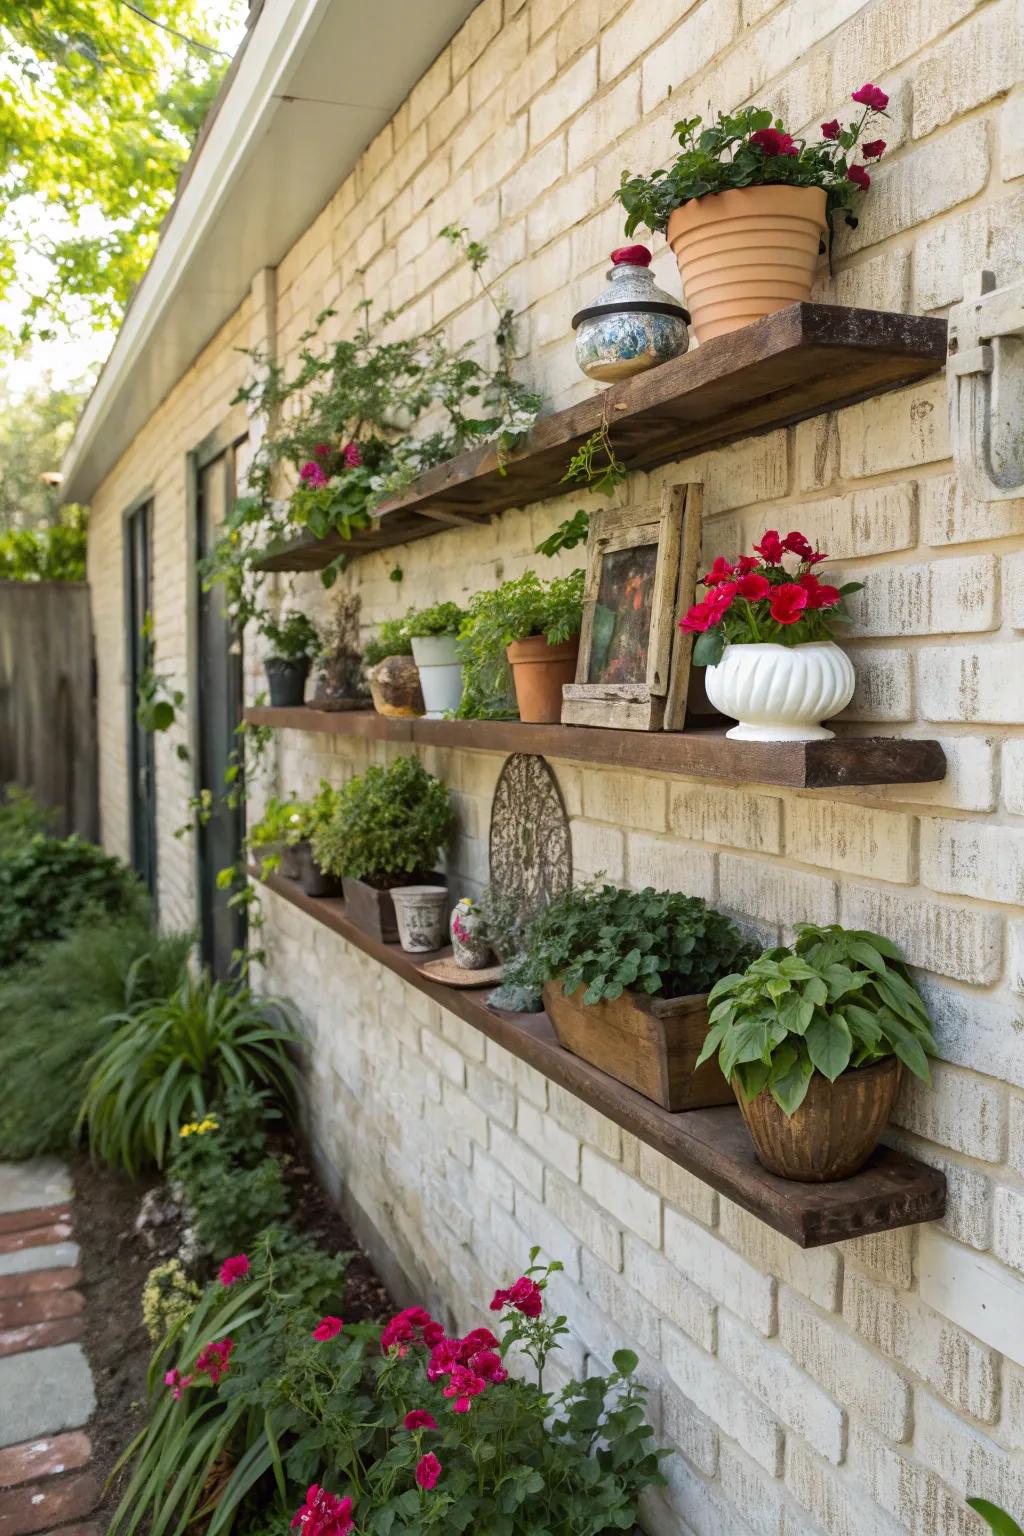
(48,885)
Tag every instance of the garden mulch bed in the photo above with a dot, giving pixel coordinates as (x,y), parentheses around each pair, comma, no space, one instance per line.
(115,1261)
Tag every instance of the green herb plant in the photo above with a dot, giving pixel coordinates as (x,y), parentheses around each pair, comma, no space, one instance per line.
(518,609)
(839,999)
(21,818)
(440,619)
(391,639)
(233,1185)
(385,825)
(166,1062)
(749,148)
(295,638)
(610,941)
(279,825)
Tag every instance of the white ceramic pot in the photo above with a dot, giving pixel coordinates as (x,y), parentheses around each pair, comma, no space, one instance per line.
(422,913)
(781,692)
(440,673)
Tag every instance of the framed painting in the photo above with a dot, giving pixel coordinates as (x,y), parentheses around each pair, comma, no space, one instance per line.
(634,662)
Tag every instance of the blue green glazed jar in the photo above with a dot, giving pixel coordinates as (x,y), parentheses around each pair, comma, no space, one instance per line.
(633,325)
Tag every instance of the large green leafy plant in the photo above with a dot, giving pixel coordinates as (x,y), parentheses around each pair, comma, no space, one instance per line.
(610,940)
(385,824)
(750,148)
(518,609)
(997,1520)
(166,1062)
(395,1433)
(839,999)
(49,885)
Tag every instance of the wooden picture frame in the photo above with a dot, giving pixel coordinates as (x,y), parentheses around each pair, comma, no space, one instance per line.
(634,662)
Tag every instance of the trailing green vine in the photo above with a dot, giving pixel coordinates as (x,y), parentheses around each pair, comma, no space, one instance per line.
(596,465)
(156,701)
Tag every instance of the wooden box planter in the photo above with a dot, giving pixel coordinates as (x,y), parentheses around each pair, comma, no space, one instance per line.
(371,908)
(649,1043)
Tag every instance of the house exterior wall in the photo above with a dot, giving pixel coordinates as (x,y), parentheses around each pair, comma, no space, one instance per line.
(856,1390)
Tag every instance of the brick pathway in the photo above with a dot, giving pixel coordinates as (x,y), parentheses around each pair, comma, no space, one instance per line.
(46,1390)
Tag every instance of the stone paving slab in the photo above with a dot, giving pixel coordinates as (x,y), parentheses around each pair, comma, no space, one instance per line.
(41,1506)
(44,1392)
(60,1330)
(23,1221)
(33,1186)
(51,1256)
(39,1307)
(44,1458)
(37,1282)
(34,1237)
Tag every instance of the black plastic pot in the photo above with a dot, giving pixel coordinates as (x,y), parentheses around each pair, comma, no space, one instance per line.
(287,679)
(314,880)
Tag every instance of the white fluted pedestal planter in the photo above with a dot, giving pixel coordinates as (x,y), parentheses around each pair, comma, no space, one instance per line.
(781,692)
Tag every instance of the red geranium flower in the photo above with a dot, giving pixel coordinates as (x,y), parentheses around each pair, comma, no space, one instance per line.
(327,1328)
(177,1383)
(745,564)
(353,455)
(525,1296)
(770,548)
(234,1269)
(419,1418)
(428,1470)
(818,594)
(214,1358)
(831,130)
(774,142)
(859,176)
(321,450)
(463,1385)
(873,150)
(720,571)
(312,474)
(324,1514)
(871,96)
(696,619)
(753,586)
(488,1365)
(788,602)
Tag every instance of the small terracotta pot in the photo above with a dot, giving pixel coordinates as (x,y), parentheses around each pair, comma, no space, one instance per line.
(540,671)
(834,1131)
(746,253)
(395,688)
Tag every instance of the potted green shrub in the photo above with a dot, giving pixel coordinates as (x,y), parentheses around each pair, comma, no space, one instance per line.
(532,627)
(745,207)
(273,838)
(392,673)
(813,1040)
(433,633)
(385,829)
(293,644)
(306,819)
(625,981)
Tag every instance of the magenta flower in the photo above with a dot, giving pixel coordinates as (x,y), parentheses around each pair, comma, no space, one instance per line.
(177,1383)
(428,1471)
(327,1328)
(353,455)
(419,1418)
(234,1269)
(871,96)
(312,475)
(323,1514)
(214,1359)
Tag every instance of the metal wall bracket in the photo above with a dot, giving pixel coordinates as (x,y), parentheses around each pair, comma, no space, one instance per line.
(985,380)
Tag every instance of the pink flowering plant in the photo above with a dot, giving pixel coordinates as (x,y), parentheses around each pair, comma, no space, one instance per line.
(772,596)
(751,148)
(340,1428)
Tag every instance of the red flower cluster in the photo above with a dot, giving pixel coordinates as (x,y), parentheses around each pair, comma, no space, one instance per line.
(324,1514)
(413,1325)
(353,455)
(871,97)
(213,1359)
(831,130)
(470,1364)
(788,600)
(428,1470)
(774,142)
(234,1269)
(419,1418)
(525,1297)
(327,1328)
(177,1383)
(312,474)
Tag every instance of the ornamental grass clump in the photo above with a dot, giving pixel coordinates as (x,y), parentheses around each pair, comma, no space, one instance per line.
(838,1000)
(751,148)
(656,942)
(270,1407)
(772,596)
(385,825)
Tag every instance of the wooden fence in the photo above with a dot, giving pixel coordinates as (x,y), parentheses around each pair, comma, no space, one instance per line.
(47,699)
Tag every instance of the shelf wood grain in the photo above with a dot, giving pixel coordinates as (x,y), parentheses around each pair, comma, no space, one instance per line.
(892,1190)
(797,363)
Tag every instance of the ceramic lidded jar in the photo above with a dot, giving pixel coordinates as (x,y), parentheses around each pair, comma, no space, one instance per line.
(632,325)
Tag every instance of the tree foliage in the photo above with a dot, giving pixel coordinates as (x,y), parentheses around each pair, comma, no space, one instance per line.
(99,107)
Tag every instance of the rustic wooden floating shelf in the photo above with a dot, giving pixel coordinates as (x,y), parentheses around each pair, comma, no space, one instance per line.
(893,1190)
(797,363)
(845,761)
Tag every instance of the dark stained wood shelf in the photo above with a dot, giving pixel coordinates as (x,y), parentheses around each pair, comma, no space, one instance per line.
(800,362)
(699,754)
(893,1190)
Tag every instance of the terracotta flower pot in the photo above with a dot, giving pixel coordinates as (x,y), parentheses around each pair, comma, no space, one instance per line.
(540,671)
(834,1131)
(745,253)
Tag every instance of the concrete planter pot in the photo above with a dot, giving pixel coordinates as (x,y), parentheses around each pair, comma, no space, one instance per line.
(540,671)
(746,253)
(834,1131)
(781,692)
(286,679)
(421,911)
(440,673)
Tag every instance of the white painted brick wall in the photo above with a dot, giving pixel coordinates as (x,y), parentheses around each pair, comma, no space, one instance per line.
(463,1156)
